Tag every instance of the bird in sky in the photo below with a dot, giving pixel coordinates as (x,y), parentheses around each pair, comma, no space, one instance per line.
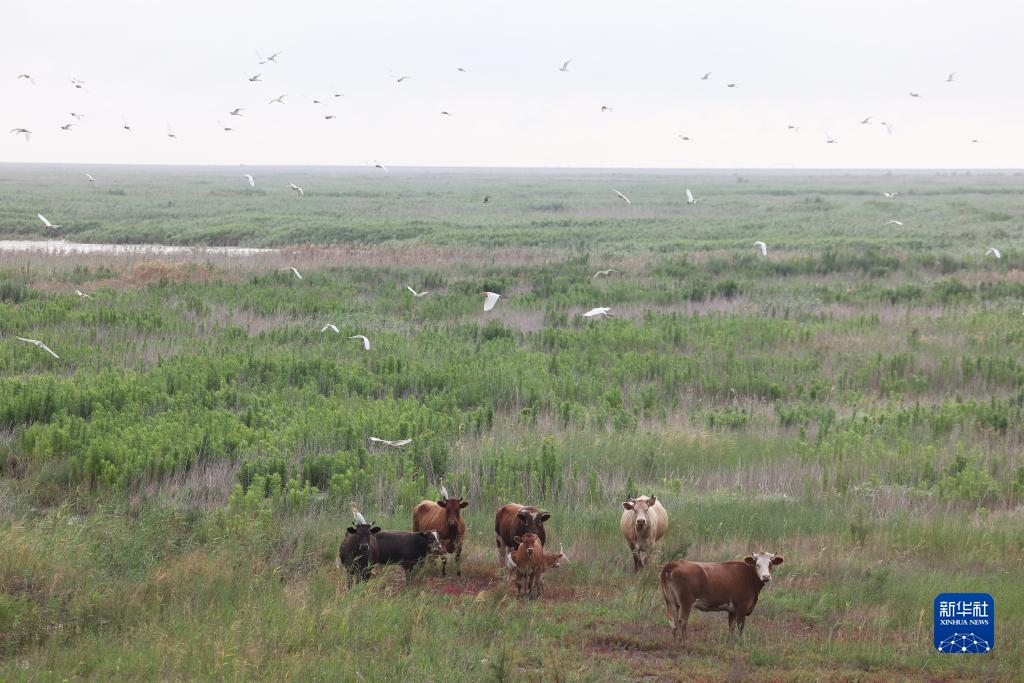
(48,223)
(762,246)
(89,178)
(366,342)
(565,65)
(336,92)
(330,326)
(124,124)
(486,199)
(730,85)
(914,94)
(76,116)
(279,99)
(320,102)
(296,272)
(357,516)
(866,120)
(299,190)
(490,299)
(690,199)
(460,69)
(402,78)
(67,126)
(381,166)
(792,128)
(890,195)
(444,113)
(82,294)
(252,181)
(78,83)
(684,138)
(391,444)
(992,251)
(328,117)
(271,58)
(603,273)
(951,77)
(442,490)
(893,221)
(22,131)
(888,126)
(829,140)
(170,132)
(706,76)
(622,197)
(227,129)
(237,111)
(255,79)
(605,109)
(28,78)
(975,140)
(415,293)
(599,312)
(40,344)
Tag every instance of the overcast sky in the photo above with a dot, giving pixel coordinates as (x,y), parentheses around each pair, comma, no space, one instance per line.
(822,66)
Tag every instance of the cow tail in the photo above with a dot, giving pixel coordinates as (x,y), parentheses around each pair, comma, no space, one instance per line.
(668,590)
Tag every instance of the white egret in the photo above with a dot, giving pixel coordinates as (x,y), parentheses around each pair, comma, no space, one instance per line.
(690,199)
(890,195)
(23,131)
(415,293)
(622,196)
(490,300)
(279,99)
(48,223)
(992,251)
(402,78)
(90,178)
(762,246)
(82,294)
(599,312)
(296,272)
(299,190)
(893,221)
(356,514)
(330,326)
(604,273)
(914,94)
(40,344)
(565,65)
(391,444)
(252,181)
(442,490)
(237,111)
(366,342)
(28,78)
(951,77)
(706,76)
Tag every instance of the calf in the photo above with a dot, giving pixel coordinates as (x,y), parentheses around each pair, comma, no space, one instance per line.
(358,551)
(514,520)
(730,587)
(444,517)
(551,561)
(526,565)
(408,549)
(643,523)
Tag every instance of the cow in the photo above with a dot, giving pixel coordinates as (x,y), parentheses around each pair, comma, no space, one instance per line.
(526,565)
(408,549)
(444,517)
(551,561)
(358,551)
(643,523)
(730,587)
(513,520)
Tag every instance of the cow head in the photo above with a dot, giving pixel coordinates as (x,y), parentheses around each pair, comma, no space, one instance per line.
(434,546)
(762,564)
(452,513)
(530,522)
(531,542)
(640,506)
(363,532)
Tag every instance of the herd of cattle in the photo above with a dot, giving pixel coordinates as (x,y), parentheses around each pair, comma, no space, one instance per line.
(439,530)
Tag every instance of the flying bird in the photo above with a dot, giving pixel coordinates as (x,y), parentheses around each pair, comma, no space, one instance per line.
(381,166)
(975,140)
(170,132)
(76,116)
(255,79)
(762,246)
(48,223)
(124,124)
(296,272)
(604,109)
(622,197)
(391,444)
(40,344)
(330,326)
(444,113)
(706,76)
(293,186)
(82,294)
(336,92)
(951,77)
(486,199)
(27,77)
(890,195)
(599,312)
(829,140)
(328,117)
(271,58)
(227,129)
(22,131)
(90,178)
(730,85)
(415,293)
(888,126)
(914,94)
(459,68)
(792,128)
(442,490)
(366,342)
(490,300)
(893,221)
(565,65)
(78,83)
(690,199)
(684,138)
(992,251)
(67,126)
(252,181)
(278,100)
(237,111)
(603,273)
(402,78)
(866,120)
(356,514)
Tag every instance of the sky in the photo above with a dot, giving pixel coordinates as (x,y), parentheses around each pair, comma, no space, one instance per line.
(821,66)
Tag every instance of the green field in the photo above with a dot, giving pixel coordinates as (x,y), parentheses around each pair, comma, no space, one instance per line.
(174,488)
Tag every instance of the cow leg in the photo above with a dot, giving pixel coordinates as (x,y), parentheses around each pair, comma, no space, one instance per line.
(732,623)
(501,557)
(637,562)
(458,558)
(682,618)
(741,619)
(444,565)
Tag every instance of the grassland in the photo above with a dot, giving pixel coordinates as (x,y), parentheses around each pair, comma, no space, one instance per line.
(174,488)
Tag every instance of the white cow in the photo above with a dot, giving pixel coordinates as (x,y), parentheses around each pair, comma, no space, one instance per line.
(643,522)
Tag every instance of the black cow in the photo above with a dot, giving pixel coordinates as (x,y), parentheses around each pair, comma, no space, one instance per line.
(358,551)
(407,548)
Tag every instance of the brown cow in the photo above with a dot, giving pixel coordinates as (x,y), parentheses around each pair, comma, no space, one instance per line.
(526,565)
(444,517)
(730,587)
(516,520)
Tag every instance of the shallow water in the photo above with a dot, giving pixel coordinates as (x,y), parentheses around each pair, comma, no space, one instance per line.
(62,247)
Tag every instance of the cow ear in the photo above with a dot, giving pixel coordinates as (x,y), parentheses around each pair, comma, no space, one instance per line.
(778,559)
(628,505)
(749,559)
(545,516)
(441,503)
(652,500)
(524,513)
(464,504)
(351,530)
(517,539)
(375,530)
